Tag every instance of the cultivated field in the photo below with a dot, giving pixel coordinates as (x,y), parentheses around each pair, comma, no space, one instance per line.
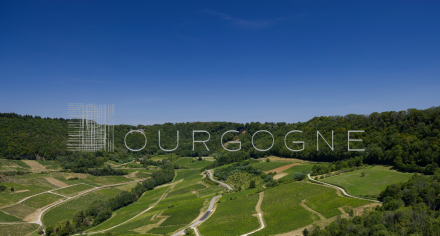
(232,217)
(375,180)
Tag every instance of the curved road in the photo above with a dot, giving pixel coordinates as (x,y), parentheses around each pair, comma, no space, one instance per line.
(221,183)
(343,191)
(211,205)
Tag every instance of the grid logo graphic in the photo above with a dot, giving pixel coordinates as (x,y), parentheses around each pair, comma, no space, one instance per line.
(90,127)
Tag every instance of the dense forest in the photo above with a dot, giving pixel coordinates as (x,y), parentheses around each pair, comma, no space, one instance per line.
(410,208)
(410,139)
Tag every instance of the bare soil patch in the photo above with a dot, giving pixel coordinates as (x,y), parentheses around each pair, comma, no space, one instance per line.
(77,175)
(279,176)
(35,165)
(56,182)
(20,191)
(281,168)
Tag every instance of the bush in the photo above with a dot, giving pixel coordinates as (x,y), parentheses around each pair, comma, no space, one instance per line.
(252,184)
(12,189)
(73,178)
(2,188)
(267,160)
(40,229)
(363,174)
(298,176)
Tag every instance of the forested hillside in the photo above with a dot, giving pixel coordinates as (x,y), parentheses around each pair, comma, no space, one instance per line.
(409,208)
(407,139)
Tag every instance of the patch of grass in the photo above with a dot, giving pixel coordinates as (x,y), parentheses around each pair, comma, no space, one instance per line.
(281,208)
(35,183)
(183,213)
(126,213)
(65,211)
(41,200)
(240,194)
(188,189)
(8,218)
(376,179)
(298,168)
(18,210)
(71,191)
(327,203)
(164,230)
(17,229)
(232,218)
(265,166)
(185,174)
(210,190)
(48,164)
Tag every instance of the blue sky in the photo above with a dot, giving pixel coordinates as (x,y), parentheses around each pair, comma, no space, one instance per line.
(238,61)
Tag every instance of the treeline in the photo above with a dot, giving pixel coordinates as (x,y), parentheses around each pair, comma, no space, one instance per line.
(100,210)
(410,139)
(410,208)
(225,172)
(325,168)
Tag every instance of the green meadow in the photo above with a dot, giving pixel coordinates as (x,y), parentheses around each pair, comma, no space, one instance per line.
(67,209)
(266,166)
(376,179)
(232,217)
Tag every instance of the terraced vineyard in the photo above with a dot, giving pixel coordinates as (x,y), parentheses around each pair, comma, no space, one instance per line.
(172,208)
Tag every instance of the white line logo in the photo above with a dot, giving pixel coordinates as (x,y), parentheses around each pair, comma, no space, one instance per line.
(91,127)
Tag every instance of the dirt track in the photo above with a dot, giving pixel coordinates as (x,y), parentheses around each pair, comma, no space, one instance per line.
(56,182)
(281,168)
(35,165)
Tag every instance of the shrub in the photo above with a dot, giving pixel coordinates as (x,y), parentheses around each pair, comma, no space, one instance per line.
(363,174)
(267,160)
(73,178)
(252,184)
(298,176)
(2,188)
(40,229)
(12,189)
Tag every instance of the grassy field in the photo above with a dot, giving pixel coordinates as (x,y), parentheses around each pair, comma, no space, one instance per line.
(376,179)
(4,163)
(193,163)
(41,200)
(240,194)
(66,210)
(73,190)
(18,210)
(126,213)
(191,188)
(299,168)
(17,229)
(185,174)
(232,218)
(265,166)
(8,218)
(327,203)
(24,186)
(164,230)
(283,213)
(49,164)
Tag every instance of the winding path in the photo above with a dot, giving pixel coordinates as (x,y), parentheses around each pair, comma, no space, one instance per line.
(149,208)
(193,225)
(260,214)
(342,190)
(221,183)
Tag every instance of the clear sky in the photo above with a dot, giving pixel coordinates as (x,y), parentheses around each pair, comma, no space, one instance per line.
(238,61)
